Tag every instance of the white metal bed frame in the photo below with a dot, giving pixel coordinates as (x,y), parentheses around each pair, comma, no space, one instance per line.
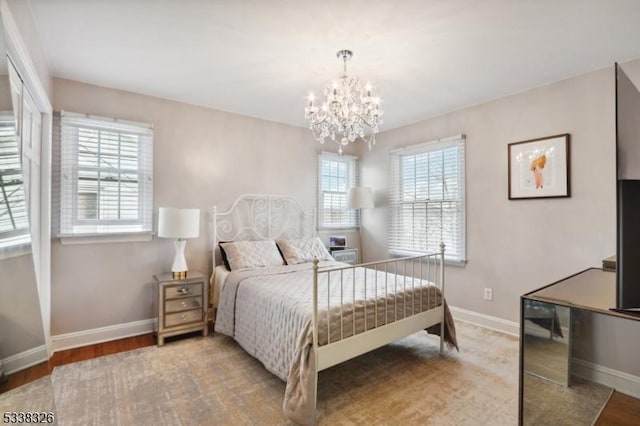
(258,217)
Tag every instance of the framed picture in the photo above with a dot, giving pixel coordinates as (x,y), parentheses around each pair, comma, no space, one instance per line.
(539,168)
(338,242)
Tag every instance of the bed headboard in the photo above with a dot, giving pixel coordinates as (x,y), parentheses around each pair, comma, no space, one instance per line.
(262,217)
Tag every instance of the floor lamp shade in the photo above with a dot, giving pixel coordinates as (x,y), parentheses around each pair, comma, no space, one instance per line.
(178,224)
(360,197)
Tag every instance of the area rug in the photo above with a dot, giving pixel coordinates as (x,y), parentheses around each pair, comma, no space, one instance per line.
(546,403)
(211,380)
(36,396)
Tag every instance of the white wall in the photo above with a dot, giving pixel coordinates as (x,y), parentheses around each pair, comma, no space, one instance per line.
(516,246)
(202,157)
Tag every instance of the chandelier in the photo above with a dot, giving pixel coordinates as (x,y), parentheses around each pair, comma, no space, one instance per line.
(347,112)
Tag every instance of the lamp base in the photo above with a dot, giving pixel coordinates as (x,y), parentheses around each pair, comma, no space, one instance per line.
(181,275)
(179,268)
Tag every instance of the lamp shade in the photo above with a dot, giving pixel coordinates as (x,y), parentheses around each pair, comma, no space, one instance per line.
(178,223)
(360,197)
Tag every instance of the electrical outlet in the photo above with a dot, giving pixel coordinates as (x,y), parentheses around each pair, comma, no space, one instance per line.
(488,294)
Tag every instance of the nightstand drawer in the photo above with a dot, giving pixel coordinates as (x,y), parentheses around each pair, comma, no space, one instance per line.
(183,304)
(186,317)
(184,290)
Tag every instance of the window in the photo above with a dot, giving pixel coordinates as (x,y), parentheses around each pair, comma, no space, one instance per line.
(427,199)
(336,174)
(14,222)
(107,170)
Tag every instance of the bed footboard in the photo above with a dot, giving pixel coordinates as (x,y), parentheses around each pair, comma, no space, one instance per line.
(372,304)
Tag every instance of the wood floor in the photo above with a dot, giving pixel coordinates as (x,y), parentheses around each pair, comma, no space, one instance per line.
(621,409)
(77,354)
(25,376)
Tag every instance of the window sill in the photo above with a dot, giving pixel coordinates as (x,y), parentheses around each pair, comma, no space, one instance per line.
(15,251)
(338,228)
(459,263)
(106,238)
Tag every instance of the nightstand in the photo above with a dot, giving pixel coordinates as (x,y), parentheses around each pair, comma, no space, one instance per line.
(180,305)
(347,255)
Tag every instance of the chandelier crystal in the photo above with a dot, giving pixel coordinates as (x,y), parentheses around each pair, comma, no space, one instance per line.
(348,111)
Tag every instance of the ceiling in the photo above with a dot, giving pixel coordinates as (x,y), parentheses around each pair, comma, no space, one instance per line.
(262,57)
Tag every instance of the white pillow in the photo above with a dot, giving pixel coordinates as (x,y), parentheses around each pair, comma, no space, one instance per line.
(303,250)
(251,254)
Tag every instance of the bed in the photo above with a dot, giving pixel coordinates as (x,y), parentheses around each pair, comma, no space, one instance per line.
(298,311)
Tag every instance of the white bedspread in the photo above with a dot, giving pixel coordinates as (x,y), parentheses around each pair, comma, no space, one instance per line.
(268,311)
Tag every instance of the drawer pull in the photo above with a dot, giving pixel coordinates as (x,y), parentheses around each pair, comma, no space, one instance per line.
(183,317)
(184,290)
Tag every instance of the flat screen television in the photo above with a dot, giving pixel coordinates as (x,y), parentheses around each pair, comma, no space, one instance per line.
(628,193)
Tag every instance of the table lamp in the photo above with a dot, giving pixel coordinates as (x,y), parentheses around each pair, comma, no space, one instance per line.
(178,224)
(360,197)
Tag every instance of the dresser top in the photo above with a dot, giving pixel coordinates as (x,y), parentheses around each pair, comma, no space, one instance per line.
(592,290)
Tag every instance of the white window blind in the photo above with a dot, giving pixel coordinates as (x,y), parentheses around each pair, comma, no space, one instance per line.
(14,222)
(336,174)
(107,176)
(428,199)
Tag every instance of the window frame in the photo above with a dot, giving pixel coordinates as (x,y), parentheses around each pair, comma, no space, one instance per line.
(74,229)
(396,157)
(18,238)
(352,179)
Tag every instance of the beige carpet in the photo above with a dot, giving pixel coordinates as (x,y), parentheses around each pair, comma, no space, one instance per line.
(213,381)
(36,396)
(549,404)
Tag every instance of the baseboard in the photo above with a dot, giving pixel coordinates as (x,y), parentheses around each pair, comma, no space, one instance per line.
(619,380)
(25,359)
(98,335)
(487,321)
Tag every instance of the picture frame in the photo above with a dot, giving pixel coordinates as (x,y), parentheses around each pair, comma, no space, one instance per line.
(337,242)
(539,168)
